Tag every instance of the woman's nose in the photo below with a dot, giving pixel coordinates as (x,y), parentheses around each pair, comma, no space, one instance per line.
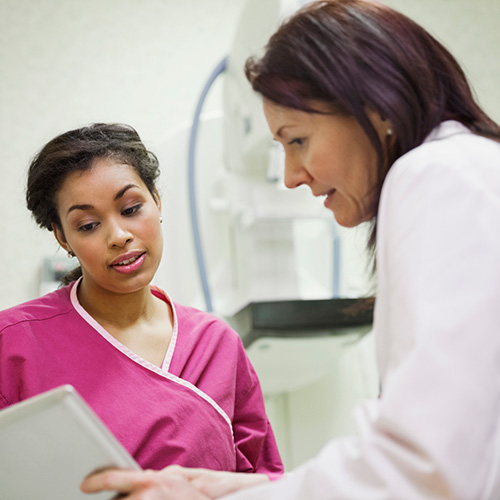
(118,235)
(295,173)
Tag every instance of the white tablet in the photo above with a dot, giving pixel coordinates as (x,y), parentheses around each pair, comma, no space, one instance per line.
(49,443)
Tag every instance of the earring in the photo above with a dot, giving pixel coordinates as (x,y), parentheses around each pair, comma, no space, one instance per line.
(70,254)
(389,131)
(161,220)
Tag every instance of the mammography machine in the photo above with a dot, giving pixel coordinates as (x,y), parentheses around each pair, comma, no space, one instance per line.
(270,261)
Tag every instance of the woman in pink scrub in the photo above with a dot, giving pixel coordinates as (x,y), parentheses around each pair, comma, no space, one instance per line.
(172,383)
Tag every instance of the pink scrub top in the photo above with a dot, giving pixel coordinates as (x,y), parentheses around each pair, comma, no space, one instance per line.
(202,408)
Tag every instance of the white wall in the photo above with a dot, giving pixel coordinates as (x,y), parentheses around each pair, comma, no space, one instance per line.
(66,63)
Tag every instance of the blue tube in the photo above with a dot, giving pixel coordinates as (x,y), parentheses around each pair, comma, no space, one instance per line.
(220,68)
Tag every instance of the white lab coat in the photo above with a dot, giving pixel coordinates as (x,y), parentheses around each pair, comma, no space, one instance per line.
(435,432)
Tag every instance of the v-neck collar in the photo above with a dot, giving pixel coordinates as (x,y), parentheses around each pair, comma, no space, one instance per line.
(117,344)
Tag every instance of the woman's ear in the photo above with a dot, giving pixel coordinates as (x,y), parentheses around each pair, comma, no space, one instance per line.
(382,125)
(61,239)
(157,198)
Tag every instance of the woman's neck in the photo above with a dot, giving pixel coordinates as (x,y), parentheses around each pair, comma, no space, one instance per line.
(120,310)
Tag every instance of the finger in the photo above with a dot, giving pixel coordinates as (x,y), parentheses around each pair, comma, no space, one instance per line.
(188,473)
(221,484)
(122,481)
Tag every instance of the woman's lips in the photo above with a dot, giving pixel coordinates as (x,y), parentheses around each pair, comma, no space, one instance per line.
(129,263)
(328,198)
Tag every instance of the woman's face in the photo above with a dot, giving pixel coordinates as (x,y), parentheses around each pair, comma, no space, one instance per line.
(111,222)
(332,155)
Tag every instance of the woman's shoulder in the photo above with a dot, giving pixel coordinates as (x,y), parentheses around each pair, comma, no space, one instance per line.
(450,151)
(37,309)
(452,143)
(194,319)
(202,321)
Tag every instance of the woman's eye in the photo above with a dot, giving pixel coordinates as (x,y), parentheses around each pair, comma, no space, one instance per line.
(132,210)
(299,141)
(87,227)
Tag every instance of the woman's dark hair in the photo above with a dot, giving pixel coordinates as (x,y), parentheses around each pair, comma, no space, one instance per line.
(77,150)
(356,55)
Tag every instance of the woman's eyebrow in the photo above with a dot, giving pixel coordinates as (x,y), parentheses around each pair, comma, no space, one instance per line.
(123,191)
(283,128)
(79,207)
(117,196)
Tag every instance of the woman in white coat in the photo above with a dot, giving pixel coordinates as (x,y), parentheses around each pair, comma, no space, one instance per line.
(377,116)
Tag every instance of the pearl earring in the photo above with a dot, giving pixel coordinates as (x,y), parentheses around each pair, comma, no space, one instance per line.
(161,220)
(70,254)
(389,131)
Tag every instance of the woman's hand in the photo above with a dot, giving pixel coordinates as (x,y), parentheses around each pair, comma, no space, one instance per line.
(172,483)
(143,485)
(215,484)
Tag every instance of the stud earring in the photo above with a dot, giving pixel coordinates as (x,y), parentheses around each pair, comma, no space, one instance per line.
(161,220)
(70,254)
(389,131)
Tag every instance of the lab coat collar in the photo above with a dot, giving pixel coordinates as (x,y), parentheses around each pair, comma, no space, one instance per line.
(447,129)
